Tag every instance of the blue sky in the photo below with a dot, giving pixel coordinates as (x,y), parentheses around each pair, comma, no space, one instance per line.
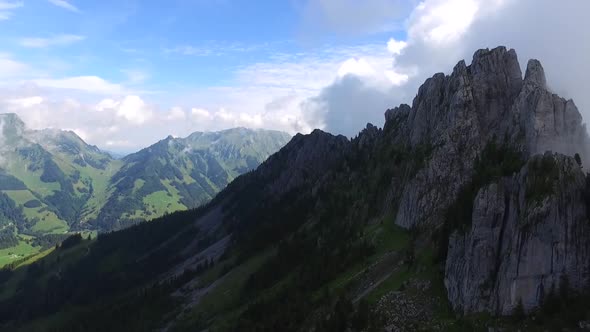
(161,44)
(124,74)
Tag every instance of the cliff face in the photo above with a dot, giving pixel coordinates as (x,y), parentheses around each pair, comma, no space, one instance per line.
(459,114)
(520,242)
(528,233)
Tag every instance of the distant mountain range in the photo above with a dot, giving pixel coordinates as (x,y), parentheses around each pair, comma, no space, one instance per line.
(52,182)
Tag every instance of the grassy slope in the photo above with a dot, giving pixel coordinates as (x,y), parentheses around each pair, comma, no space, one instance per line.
(98,178)
(48,221)
(23,250)
(157,203)
(221,306)
(33,179)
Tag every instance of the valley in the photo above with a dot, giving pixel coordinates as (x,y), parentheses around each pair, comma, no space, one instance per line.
(53,184)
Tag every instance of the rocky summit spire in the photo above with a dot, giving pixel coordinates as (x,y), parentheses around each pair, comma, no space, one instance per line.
(535,74)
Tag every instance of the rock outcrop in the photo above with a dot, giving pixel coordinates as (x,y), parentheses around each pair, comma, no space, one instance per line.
(457,115)
(307,158)
(548,121)
(528,233)
(521,242)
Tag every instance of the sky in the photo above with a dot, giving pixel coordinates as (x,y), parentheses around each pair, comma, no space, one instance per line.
(124,74)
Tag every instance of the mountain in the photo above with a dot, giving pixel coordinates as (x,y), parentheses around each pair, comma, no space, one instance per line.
(467,211)
(179,173)
(52,182)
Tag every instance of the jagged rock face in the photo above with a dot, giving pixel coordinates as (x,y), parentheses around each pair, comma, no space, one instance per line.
(522,241)
(368,136)
(548,121)
(308,158)
(520,244)
(459,114)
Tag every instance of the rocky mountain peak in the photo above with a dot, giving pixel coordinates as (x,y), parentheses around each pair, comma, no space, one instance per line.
(499,66)
(460,113)
(535,74)
(307,158)
(523,237)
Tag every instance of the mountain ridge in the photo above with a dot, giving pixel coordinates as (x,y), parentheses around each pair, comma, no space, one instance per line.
(62,184)
(452,217)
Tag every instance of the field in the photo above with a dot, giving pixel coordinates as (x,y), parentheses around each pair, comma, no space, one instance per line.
(12,254)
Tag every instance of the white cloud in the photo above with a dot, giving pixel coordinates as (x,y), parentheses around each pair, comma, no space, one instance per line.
(176,113)
(357,67)
(91,84)
(58,40)
(131,108)
(396,47)
(65,5)
(26,102)
(7,9)
(200,113)
(440,21)
(134,110)
(126,123)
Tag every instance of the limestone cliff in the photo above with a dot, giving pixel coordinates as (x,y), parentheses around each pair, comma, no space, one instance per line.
(520,243)
(528,232)
(460,113)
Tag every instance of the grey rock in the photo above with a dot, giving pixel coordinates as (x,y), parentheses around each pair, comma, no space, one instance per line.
(520,246)
(368,136)
(308,158)
(548,121)
(457,115)
(535,74)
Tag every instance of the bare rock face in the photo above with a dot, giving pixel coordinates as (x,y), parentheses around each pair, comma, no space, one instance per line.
(457,115)
(307,157)
(528,231)
(549,122)
(368,136)
(525,238)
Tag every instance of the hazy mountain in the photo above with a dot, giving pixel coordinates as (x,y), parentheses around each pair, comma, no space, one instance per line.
(453,217)
(58,183)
